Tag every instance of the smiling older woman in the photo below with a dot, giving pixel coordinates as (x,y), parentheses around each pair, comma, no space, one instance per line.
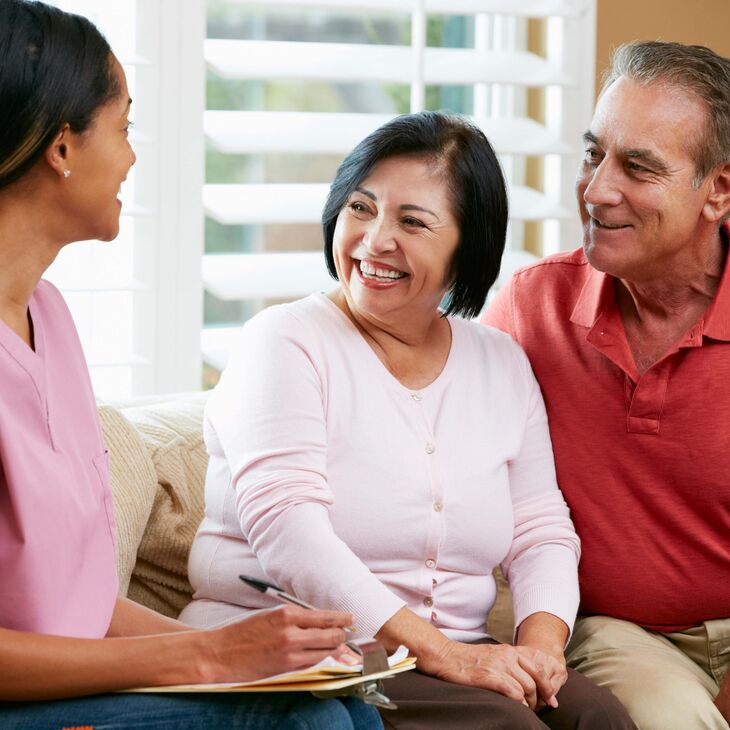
(373,453)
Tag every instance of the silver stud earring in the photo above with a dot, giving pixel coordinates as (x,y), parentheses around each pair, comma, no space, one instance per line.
(67,173)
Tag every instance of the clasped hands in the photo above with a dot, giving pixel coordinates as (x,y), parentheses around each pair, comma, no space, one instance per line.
(526,674)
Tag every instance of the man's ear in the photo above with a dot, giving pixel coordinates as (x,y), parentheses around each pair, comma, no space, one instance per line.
(57,152)
(717,205)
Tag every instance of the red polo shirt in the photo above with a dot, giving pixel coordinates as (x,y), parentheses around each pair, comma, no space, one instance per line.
(643,462)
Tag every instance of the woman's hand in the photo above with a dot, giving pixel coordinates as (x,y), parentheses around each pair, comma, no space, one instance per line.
(542,636)
(273,642)
(554,666)
(510,670)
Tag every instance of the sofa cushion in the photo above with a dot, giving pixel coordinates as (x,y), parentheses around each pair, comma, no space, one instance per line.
(133,484)
(172,433)
(501,622)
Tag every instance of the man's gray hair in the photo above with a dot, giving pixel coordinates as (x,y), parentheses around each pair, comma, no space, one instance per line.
(698,71)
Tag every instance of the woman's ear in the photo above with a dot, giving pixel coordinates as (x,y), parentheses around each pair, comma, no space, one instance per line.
(57,152)
(717,205)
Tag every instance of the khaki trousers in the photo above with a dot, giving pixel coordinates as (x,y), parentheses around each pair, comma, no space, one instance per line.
(667,681)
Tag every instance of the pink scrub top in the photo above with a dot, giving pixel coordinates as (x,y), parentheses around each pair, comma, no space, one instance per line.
(57,533)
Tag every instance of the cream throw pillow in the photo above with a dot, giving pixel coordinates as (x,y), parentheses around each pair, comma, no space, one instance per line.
(173,434)
(133,484)
(501,622)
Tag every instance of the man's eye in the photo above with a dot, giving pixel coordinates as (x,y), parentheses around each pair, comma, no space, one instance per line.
(636,167)
(592,156)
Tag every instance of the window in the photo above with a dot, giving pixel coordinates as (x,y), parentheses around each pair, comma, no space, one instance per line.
(137,301)
(293,85)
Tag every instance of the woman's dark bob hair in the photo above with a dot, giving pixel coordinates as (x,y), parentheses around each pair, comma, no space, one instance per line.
(460,151)
(55,69)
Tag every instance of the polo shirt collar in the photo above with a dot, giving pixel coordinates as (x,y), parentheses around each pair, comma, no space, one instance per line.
(716,320)
(597,296)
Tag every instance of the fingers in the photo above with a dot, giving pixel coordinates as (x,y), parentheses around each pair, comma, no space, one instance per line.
(296,638)
(297,629)
(344,654)
(506,685)
(553,666)
(542,681)
(490,667)
(306,618)
(527,682)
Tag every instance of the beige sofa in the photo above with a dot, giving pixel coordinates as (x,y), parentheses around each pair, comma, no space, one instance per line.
(158,464)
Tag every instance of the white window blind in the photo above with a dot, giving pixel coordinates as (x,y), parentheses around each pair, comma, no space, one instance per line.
(303,81)
(137,302)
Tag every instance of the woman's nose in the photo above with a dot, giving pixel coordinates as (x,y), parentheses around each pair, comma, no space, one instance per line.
(380,237)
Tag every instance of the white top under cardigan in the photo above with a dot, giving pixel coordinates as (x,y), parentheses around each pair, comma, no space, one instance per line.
(340,485)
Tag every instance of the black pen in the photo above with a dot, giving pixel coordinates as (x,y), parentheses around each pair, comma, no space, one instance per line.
(275,592)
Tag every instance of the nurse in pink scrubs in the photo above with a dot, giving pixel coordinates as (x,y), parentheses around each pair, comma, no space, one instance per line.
(64,631)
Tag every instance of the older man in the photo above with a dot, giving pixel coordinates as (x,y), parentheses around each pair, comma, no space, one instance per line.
(630,340)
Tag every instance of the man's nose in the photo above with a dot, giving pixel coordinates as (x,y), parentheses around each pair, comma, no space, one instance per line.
(603,185)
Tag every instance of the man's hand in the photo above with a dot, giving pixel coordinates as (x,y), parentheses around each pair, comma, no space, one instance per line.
(273,642)
(722,701)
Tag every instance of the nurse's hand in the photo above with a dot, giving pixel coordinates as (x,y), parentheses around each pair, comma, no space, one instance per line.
(272,642)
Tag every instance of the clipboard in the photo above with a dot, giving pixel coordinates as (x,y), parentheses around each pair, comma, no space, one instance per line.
(326,679)
(375,669)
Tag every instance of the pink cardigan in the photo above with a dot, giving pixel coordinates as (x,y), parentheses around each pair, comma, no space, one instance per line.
(333,480)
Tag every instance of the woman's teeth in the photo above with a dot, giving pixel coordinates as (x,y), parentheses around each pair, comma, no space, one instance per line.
(373,272)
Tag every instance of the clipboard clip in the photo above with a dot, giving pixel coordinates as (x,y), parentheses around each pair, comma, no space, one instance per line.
(374,661)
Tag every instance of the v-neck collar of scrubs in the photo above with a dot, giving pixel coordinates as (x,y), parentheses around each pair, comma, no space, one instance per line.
(31,360)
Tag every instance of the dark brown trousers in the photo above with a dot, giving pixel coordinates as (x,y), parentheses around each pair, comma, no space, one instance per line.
(427,703)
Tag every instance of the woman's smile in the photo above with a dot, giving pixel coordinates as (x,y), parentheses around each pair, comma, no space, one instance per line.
(375,272)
